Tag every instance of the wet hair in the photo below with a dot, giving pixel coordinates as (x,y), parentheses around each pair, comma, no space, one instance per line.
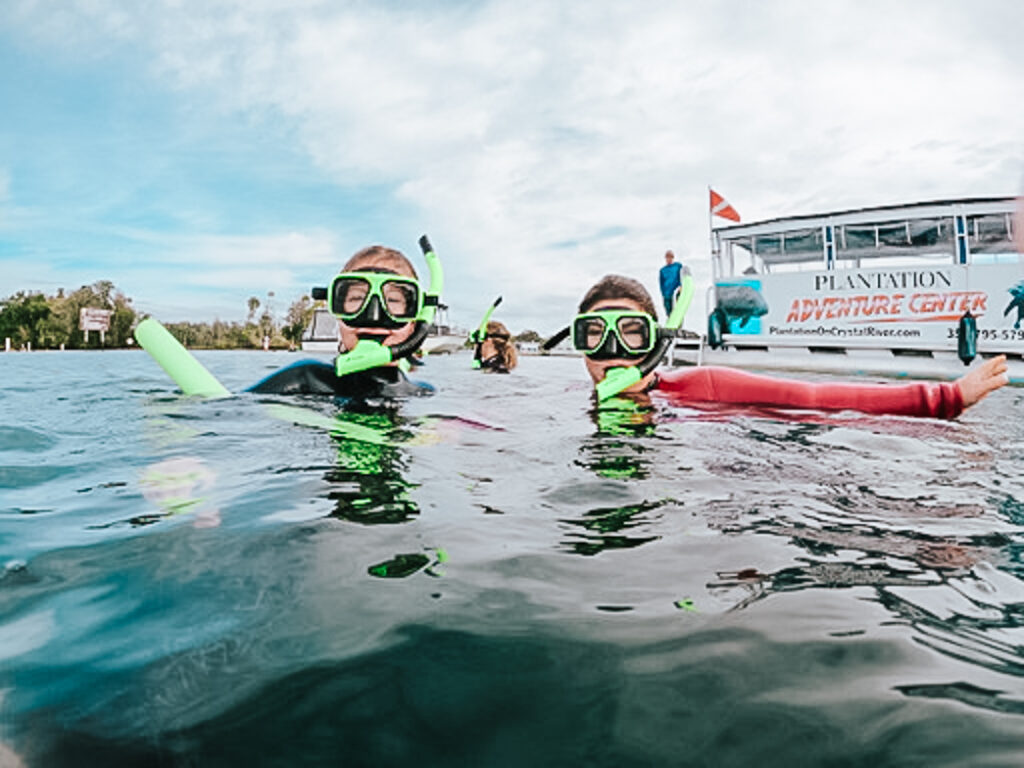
(395,260)
(619,287)
(503,344)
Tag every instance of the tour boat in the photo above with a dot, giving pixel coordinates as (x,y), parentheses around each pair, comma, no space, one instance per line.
(918,290)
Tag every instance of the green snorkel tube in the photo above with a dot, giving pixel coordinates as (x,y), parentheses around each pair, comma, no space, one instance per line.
(477,336)
(372,354)
(618,379)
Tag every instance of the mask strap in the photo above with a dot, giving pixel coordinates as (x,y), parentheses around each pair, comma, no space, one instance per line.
(557,339)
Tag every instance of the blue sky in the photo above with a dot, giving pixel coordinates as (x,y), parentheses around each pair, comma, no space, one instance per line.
(197,153)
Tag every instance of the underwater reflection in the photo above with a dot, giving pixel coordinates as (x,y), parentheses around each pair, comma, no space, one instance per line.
(178,486)
(944,589)
(368,486)
(882,557)
(613,451)
(606,528)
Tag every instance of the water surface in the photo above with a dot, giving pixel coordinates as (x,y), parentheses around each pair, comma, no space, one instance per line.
(508,578)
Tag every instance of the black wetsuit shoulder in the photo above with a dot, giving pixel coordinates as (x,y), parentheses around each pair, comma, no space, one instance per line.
(314,377)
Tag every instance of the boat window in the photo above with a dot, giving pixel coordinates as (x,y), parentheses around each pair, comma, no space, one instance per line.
(804,241)
(925,232)
(768,245)
(894,234)
(989,229)
(855,238)
(897,236)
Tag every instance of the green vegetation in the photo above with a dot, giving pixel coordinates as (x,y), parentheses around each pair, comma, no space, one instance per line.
(47,322)
(530,336)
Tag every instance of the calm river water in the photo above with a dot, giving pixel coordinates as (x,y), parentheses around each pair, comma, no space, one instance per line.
(505,578)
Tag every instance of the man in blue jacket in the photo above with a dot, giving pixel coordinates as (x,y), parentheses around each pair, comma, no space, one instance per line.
(670,278)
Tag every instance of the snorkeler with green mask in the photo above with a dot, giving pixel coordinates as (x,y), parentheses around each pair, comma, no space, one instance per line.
(617,332)
(383,316)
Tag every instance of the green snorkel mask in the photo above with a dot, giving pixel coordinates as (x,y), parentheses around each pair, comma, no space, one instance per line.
(626,335)
(478,335)
(387,301)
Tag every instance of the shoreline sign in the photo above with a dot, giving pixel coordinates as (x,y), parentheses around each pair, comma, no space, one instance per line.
(93,319)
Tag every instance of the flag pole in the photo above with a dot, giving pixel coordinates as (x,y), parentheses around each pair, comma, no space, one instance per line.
(711,237)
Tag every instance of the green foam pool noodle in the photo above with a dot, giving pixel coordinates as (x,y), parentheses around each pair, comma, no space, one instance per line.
(188,373)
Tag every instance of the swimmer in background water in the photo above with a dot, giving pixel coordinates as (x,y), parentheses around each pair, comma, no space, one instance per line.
(617,328)
(496,352)
(377,297)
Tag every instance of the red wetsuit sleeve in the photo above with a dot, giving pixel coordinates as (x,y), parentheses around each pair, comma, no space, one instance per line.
(709,384)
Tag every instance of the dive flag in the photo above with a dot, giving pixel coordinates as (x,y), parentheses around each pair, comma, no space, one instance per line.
(721,207)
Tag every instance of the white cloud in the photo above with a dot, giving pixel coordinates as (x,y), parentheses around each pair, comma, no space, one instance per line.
(515,129)
(292,249)
(210,274)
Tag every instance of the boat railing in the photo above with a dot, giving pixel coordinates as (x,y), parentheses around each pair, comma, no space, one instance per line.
(951,232)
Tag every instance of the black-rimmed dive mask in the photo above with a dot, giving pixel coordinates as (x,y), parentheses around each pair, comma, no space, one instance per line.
(372,298)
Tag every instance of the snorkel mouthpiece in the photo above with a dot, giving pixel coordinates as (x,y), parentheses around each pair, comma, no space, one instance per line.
(366,354)
(616,380)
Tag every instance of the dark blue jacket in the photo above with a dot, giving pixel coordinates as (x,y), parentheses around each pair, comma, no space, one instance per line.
(669,278)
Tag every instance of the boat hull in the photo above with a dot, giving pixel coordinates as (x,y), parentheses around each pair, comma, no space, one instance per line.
(902,363)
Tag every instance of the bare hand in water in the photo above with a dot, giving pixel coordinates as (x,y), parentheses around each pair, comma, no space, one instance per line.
(987,377)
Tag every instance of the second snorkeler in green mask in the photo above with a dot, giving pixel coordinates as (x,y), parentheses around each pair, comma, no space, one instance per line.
(617,332)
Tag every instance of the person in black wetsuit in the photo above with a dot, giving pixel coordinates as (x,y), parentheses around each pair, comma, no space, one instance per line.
(369,306)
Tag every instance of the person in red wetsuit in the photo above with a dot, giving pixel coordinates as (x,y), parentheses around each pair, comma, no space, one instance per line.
(615,328)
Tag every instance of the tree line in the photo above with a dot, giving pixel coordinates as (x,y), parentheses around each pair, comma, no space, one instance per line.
(37,321)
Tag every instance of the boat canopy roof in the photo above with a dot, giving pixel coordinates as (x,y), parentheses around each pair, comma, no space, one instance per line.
(984,224)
